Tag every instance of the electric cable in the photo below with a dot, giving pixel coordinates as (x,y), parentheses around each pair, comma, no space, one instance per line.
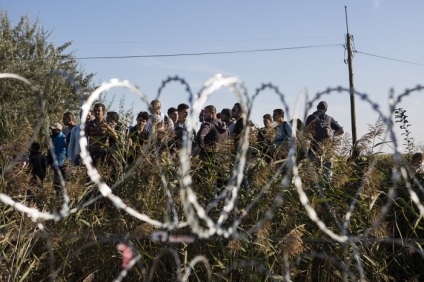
(388,58)
(208,53)
(203,41)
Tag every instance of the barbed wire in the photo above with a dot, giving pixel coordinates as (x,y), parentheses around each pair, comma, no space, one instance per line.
(224,226)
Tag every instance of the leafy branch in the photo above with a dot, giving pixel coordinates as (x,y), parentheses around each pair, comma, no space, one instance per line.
(402,118)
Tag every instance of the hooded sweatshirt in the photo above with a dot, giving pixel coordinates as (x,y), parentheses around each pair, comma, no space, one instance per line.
(211,133)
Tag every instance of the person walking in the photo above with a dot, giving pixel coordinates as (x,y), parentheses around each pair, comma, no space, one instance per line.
(322,128)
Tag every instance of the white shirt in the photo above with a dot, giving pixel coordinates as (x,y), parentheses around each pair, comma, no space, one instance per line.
(74,148)
(150,122)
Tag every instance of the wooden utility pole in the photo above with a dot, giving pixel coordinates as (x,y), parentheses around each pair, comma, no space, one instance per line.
(351,86)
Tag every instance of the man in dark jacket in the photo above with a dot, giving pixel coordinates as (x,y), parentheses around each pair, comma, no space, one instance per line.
(319,123)
(323,128)
(211,133)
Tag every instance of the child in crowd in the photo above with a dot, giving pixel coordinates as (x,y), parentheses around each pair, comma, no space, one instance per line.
(37,168)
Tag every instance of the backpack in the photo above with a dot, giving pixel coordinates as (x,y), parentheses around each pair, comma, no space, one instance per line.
(323,130)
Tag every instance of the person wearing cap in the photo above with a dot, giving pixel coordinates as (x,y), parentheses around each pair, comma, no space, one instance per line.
(59,149)
(59,143)
(319,122)
(228,120)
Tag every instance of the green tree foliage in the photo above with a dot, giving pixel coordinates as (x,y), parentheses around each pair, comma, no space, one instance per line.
(25,50)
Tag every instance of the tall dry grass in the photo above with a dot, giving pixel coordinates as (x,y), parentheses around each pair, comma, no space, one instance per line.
(278,239)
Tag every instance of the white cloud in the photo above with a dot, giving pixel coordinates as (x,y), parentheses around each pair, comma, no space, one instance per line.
(201,68)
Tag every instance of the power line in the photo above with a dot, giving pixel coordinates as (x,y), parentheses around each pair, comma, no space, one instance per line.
(209,53)
(391,59)
(237,52)
(202,41)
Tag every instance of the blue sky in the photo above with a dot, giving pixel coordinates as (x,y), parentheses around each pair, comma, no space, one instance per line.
(111,28)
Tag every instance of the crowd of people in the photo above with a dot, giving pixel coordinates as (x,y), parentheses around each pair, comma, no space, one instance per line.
(104,132)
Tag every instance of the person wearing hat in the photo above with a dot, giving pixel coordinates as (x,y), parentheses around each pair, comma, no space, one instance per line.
(59,149)
(323,128)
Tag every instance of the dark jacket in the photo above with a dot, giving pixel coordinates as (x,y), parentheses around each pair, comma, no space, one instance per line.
(313,118)
(320,114)
(37,165)
(138,138)
(237,131)
(210,134)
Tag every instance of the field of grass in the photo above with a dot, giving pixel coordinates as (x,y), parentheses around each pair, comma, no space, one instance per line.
(288,223)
